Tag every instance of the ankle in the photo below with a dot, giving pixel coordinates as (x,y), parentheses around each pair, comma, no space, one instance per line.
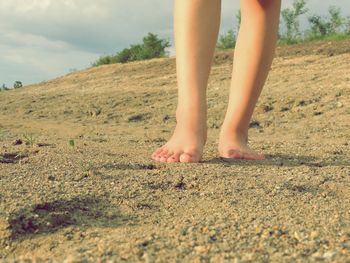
(191,120)
(234,133)
(192,113)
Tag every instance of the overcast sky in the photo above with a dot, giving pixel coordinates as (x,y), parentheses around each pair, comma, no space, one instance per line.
(43,39)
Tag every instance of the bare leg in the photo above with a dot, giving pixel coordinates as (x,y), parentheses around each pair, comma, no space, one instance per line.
(196,26)
(252,61)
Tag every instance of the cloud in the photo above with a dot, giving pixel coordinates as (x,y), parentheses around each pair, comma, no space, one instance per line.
(49,37)
(96,26)
(41,39)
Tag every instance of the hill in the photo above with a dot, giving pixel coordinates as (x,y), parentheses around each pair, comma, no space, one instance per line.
(77,181)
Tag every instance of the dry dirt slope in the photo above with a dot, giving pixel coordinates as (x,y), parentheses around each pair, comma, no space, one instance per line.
(105,199)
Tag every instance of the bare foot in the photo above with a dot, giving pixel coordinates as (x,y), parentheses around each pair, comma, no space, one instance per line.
(235,146)
(188,140)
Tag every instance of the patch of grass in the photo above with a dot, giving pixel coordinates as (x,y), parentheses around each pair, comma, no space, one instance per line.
(332,37)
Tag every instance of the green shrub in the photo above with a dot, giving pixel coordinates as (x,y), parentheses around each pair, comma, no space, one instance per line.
(227,41)
(17,85)
(152,47)
(326,26)
(105,60)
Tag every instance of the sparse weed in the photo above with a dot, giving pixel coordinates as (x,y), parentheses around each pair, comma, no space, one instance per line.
(19,157)
(71,143)
(29,139)
(87,168)
(2,134)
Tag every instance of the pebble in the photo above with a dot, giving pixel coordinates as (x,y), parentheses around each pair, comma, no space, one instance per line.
(329,255)
(202,249)
(314,234)
(217,258)
(18,142)
(148,258)
(317,255)
(339,104)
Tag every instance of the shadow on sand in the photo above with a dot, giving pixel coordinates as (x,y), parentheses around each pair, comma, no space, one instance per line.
(50,217)
(284,160)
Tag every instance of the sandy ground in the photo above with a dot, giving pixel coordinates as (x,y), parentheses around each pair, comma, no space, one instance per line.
(77,183)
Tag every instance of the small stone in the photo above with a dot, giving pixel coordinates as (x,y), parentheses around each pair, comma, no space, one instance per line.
(18,142)
(317,255)
(136,118)
(248,257)
(329,255)
(314,234)
(213,238)
(297,236)
(217,258)
(343,238)
(201,249)
(145,243)
(339,104)
(147,258)
(254,124)
(302,103)
(205,229)
(51,178)
(70,259)
(166,117)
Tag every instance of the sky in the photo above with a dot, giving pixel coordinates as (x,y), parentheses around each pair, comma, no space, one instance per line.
(44,39)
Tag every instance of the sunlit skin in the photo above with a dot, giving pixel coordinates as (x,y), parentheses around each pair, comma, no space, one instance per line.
(196,28)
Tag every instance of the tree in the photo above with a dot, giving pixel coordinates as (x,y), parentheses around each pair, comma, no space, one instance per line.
(153,47)
(290,18)
(336,20)
(347,25)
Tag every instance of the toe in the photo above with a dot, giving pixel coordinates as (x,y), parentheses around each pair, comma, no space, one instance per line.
(253,156)
(175,158)
(161,153)
(260,157)
(235,154)
(165,156)
(189,158)
(156,152)
(185,158)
